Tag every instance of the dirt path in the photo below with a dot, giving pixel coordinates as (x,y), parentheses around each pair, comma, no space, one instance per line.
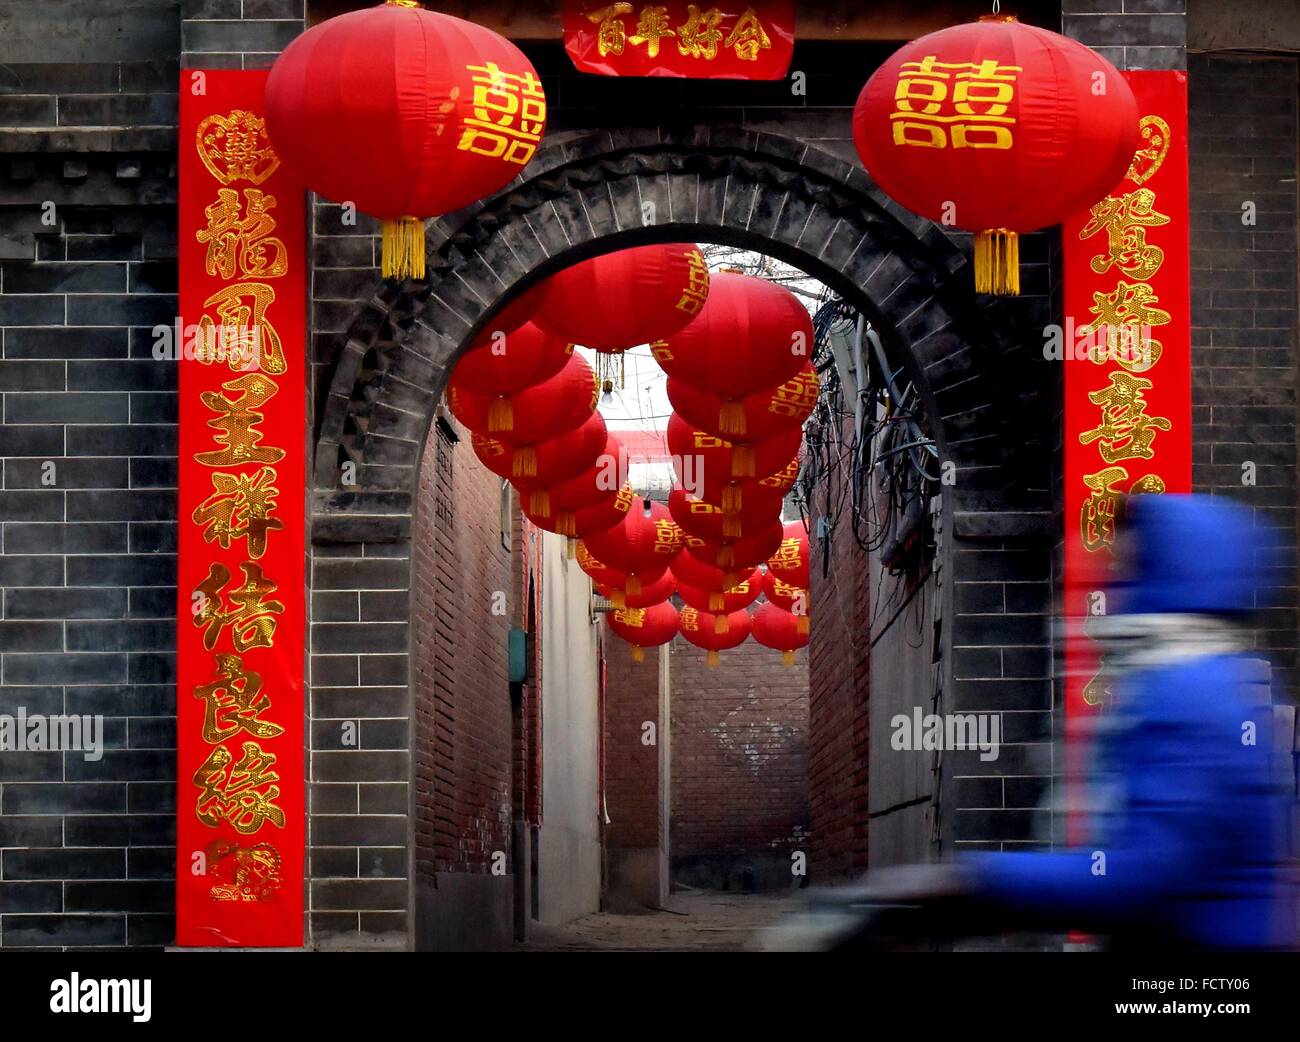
(697,921)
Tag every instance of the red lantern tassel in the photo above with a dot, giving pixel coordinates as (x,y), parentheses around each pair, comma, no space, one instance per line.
(717,602)
(525,462)
(721,624)
(501,416)
(787,658)
(566,524)
(539,501)
(633,585)
(997,262)
(571,549)
(731,526)
(731,499)
(617,598)
(742,461)
(638,653)
(731,418)
(726,556)
(712,659)
(801,625)
(403,248)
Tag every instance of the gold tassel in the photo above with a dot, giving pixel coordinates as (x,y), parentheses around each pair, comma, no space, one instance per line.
(726,557)
(730,580)
(712,659)
(721,624)
(571,549)
(731,526)
(638,653)
(525,465)
(403,248)
(731,499)
(717,601)
(742,461)
(618,599)
(997,262)
(501,415)
(565,524)
(787,658)
(539,501)
(801,625)
(633,585)
(731,418)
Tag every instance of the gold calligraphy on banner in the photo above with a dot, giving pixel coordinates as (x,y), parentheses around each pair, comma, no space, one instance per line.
(700,36)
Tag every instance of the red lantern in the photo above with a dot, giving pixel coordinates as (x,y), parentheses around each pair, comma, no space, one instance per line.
(793,599)
(407,114)
(789,562)
(517,312)
(690,570)
(553,407)
(548,462)
(500,363)
(778,629)
(708,522)
(767,412)
(708,453)
(598,479)
(578,508)
(751,334)
(645,627)
(619,300)
(998,128)
(737,496)
(639,543)
(651,593)
(612,579)
(745,593)
(738,553)
(714,633)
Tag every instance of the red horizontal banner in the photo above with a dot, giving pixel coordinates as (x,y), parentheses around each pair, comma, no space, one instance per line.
(240,605)
(1127,352)
(698,41)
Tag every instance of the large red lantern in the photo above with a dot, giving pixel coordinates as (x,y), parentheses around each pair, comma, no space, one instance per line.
(793,599)
(619,300)
(710,454)
(776,628)
(714,633)
(641,542)
(708,522)
(751,334)
(999,128)
(767,412)
(405,113)
(500,363)
(650,593)
(690,570)
(789,562)
(723,602)
(644,627)
(612,579)
(735,496)
(548,462)
(736,554)
(553,407)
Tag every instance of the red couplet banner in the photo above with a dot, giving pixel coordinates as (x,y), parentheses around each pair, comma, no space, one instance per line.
(240,344)
(1128,388)
(739,41)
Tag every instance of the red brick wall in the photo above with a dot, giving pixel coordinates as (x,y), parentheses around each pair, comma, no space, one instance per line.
(631,769)
(839,655)
(739,753)
(462,699)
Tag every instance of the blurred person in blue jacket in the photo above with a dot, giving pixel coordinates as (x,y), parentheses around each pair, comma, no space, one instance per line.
(1190,848)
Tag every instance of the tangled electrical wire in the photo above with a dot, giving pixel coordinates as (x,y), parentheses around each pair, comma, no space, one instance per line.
(868,449)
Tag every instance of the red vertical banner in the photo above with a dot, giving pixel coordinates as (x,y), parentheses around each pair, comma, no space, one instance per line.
(240,345)
(1128,387)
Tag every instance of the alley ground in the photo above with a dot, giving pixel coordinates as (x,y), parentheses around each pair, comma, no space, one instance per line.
(690,921)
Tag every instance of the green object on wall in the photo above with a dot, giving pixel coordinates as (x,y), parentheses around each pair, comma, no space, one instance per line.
(518,655)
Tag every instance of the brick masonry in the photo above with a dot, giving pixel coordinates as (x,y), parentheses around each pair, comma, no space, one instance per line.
(739,767)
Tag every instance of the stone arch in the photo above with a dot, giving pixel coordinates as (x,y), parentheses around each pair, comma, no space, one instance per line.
(583,195)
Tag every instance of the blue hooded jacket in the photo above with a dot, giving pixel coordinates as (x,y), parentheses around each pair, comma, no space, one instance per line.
(1194,848)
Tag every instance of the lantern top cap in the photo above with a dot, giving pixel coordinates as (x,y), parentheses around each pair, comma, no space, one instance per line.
(403,3)
(984,17)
